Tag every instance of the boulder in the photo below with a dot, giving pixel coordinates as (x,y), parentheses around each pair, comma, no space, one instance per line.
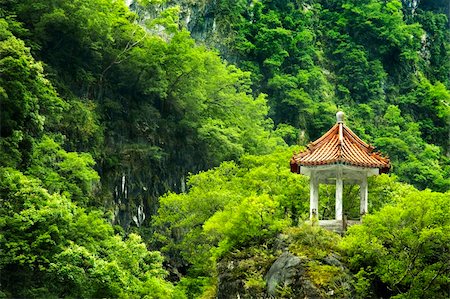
(287,273)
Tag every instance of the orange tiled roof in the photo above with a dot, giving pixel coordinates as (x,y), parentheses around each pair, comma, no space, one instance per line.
(340,145)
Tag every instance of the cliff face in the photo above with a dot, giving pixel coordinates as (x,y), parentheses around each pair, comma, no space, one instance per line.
(206,20)
(211,21)
(410,7)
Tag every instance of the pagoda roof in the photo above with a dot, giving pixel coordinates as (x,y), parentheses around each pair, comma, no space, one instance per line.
(340,145)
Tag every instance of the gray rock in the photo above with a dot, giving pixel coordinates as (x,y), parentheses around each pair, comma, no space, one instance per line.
(333,260)
(283,272)
(288,271)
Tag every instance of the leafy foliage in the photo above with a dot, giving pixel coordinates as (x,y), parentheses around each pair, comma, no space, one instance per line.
(64,172)
(53,248)
(405,246)
(28,100)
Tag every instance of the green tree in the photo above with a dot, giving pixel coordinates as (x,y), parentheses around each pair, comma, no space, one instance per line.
(50,247)
(68,173)
(404,246)
(27,99)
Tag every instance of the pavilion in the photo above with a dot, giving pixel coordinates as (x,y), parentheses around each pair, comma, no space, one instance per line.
(339,156)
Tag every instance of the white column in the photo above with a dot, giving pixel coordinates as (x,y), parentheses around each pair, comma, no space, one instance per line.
(363,193)
(339,191)
(313,196)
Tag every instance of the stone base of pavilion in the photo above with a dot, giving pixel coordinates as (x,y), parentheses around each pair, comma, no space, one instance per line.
(338,226)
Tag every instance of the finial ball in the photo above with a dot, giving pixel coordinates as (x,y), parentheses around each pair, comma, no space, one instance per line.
(340,117)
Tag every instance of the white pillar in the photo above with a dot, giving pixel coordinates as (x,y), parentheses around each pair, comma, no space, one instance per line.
(363,193)
(339,191)
(313,196)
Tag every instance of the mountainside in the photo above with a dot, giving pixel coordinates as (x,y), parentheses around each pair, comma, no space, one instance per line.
(385,64)
(145,146)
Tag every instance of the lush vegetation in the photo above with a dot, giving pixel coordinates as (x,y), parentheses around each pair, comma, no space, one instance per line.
(136,161)
(53,248)
(404,248)
(401,250)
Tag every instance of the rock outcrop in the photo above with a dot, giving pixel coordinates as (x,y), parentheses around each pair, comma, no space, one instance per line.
(288,271)
(302,263)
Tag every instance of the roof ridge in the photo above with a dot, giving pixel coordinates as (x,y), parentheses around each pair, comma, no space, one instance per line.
(358,140)
(324,136)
